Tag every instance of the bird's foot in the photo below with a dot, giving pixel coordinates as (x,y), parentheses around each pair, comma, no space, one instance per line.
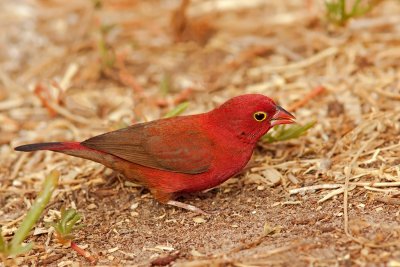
(186,207)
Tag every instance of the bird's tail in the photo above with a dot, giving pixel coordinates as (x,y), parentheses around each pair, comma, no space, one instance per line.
(54,146)
(79,150)
(75,149)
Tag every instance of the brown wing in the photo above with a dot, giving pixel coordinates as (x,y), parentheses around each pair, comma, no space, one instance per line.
(176,145)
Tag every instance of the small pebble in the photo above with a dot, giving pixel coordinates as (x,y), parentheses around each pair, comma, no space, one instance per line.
(199,220)
(92,206)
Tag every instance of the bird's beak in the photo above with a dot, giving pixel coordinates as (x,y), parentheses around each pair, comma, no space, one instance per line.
(282,117)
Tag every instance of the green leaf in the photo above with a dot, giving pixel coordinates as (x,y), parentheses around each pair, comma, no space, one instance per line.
(177,110)
(283,132)
(67,223)
(15,247)
(70,226)
(336,11)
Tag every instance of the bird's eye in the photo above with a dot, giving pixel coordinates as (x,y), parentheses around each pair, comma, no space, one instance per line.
(260,116)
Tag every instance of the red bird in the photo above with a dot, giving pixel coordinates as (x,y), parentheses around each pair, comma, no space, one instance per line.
(182,154)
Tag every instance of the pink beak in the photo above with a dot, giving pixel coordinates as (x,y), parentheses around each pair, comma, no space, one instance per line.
(282,117)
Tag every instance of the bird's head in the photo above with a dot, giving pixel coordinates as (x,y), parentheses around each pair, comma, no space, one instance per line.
(250,116)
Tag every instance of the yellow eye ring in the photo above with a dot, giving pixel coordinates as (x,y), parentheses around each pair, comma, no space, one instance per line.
(260,116)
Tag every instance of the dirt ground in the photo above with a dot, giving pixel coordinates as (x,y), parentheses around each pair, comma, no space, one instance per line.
(73,69)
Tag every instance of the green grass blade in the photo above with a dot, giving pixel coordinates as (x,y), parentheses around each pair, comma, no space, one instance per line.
(20,249)
(342,8)
(165,84)
(337,13)
(284,133)
(2,244)
(355,9)
(49,184)
(177,110)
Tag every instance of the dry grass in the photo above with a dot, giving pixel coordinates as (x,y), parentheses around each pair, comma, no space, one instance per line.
(67,75)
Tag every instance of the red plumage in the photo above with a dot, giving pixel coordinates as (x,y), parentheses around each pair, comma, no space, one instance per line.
(182,154)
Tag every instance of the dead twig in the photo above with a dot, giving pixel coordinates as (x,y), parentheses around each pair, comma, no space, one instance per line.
(311,95)
(334,193)
(303,190)
(388,200)
(331,51)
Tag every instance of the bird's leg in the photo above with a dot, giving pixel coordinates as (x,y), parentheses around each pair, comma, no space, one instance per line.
(186,206)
